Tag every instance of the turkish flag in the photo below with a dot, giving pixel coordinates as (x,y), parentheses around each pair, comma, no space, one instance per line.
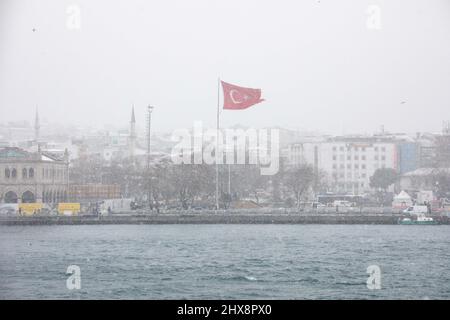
(238,98)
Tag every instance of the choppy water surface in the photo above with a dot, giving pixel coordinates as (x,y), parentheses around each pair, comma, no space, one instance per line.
(225,261)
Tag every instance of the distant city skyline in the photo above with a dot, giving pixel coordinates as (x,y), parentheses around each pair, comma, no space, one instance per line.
(141,129)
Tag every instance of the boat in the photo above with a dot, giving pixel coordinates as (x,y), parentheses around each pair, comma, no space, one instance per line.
(421,220)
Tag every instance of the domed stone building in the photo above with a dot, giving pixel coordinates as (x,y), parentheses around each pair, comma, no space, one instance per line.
(27,177)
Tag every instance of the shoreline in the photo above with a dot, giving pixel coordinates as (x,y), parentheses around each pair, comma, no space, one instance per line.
(209,218)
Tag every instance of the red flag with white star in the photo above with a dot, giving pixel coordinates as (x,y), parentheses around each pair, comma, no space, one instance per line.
(238,98)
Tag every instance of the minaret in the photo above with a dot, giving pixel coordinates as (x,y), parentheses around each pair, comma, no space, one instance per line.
(132,141)
(37,126)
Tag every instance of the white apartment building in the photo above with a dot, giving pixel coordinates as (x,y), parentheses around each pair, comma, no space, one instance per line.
(348,164)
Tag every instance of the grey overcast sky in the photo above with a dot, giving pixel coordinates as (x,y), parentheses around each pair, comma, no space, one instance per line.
(318,64)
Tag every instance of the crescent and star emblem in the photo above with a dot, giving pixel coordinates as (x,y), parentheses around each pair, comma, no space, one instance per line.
(245,97)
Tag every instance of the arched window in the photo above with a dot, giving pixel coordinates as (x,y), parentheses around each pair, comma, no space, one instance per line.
(14,173)
(24,173)
(28,197)
(7,173)
(31,173)
(10,197)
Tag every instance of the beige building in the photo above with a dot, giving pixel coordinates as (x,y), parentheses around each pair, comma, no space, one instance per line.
(27,177)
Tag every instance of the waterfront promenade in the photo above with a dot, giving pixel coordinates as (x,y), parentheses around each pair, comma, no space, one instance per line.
(221,217)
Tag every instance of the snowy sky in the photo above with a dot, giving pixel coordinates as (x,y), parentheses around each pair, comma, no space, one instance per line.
(319,65)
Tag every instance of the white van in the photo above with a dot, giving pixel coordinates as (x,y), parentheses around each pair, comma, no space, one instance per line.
(342,203)
(416,210)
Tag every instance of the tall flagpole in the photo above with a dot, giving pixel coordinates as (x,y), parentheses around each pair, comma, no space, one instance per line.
(217,145)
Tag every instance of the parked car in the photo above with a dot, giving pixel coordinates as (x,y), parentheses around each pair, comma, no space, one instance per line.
(316,205)
(7,211)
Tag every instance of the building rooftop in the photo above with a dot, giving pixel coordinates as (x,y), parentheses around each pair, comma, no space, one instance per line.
(427,171)
(14,153)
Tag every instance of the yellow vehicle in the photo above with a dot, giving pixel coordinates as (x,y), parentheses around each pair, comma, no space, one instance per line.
(69,208)
(28,209)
